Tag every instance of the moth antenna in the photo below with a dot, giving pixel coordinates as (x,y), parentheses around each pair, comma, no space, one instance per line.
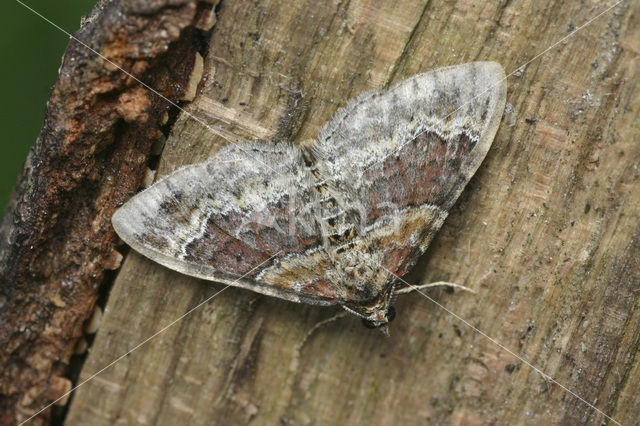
(412,288)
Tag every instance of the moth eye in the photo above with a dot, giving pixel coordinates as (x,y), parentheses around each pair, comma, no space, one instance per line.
(391,313)
(368,324)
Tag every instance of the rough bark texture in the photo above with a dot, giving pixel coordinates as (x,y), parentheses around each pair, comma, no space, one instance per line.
(546,233)
(56,238)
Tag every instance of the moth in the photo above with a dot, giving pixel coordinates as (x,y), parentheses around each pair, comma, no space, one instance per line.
(336,223)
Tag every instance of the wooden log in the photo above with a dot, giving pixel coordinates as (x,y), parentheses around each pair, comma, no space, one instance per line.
(546,234)
(56,239)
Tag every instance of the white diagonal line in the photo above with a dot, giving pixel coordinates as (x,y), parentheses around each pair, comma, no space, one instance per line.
(151,89)
(162,330)
(504,348)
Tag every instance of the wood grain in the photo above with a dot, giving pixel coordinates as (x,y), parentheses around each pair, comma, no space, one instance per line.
(546,233)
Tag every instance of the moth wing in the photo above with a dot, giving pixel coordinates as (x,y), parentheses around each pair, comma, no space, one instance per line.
(412,149)
(233,219)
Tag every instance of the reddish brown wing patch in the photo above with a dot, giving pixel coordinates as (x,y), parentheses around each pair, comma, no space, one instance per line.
(424,171)
(235,243)
(225,253)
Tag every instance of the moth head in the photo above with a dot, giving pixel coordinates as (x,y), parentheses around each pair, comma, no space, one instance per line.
(376,312)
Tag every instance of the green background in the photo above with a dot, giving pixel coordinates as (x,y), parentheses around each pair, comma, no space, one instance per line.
(32,49)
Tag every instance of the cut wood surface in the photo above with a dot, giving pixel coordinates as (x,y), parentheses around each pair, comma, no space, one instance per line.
(546,233)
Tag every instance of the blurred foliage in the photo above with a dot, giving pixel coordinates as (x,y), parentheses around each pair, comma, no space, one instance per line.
(32,49)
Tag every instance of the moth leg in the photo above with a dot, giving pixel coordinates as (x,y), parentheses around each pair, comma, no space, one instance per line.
(340,314)
(295,359)
(412,288)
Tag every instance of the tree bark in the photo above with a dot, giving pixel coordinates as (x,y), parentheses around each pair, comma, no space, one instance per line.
(56,237)
(546,233)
